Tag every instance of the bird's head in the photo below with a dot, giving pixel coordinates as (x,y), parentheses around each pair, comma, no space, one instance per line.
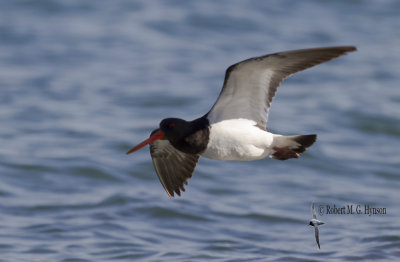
(170,128)
(173,128)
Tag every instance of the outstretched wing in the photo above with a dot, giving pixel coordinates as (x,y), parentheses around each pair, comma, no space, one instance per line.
(250,85)
(317,235)
(314,215)
(172,166)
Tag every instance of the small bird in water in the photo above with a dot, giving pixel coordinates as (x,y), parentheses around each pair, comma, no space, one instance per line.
(315,223)
(236,126)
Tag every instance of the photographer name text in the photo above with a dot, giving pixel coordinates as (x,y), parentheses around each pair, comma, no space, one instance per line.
(368,210)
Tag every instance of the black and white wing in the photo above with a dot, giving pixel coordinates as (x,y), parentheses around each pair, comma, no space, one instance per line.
(172,166)
(250,85)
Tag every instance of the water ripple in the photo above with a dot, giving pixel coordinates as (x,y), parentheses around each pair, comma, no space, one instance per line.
(82,82)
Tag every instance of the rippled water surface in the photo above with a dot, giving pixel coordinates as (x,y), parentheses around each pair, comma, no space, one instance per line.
(83,81)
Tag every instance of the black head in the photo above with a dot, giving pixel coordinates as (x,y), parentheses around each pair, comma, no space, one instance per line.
(310,224)
(174,128)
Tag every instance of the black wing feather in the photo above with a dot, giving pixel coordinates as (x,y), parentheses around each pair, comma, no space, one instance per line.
(172,166)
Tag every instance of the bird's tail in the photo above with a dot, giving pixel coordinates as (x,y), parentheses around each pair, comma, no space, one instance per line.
(286,147)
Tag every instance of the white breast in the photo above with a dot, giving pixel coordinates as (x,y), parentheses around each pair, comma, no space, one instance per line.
(239,140)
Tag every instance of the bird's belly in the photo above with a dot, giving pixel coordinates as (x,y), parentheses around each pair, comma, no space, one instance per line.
(238,153)
(238,141)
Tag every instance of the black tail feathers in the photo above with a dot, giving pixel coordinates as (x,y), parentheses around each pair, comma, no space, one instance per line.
(304,141)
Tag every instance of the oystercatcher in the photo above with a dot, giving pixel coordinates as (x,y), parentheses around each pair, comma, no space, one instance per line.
(236,126)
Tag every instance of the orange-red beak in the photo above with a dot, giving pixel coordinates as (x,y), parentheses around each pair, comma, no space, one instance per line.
(157,135)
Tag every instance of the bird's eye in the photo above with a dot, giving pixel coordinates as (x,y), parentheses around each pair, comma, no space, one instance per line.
(172,125)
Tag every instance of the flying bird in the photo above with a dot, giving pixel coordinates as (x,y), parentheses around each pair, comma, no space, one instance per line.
(315,223)
(236,126)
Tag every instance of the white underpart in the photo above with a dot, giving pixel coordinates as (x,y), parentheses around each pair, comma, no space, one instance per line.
(239,140)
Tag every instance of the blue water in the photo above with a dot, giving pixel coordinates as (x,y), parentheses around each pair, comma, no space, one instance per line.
(83,81)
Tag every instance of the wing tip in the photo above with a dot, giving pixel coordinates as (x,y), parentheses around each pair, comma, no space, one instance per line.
(347,48)
(172,191)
